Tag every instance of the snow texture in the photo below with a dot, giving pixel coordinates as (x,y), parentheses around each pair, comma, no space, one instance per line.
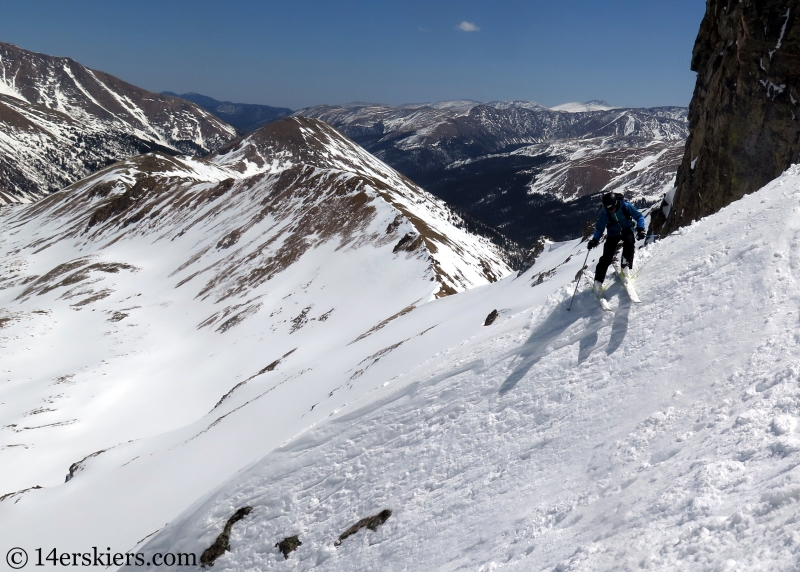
(662,436)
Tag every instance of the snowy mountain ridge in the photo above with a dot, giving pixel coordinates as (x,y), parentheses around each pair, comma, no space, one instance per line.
(188,282)
(60,121)
(576,107)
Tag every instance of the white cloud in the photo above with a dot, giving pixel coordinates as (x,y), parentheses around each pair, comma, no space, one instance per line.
(468,27)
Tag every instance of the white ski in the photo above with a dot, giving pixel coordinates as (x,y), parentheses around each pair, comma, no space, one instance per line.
(600,298)
(627,282)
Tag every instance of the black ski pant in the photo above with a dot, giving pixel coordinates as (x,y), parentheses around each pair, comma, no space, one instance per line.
(610,248)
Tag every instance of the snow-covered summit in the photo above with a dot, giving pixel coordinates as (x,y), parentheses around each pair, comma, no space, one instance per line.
(576,107)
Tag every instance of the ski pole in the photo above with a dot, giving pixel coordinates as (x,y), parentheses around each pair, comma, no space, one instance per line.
(578,283)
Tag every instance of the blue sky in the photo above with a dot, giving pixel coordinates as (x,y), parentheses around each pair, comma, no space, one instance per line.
(295,54)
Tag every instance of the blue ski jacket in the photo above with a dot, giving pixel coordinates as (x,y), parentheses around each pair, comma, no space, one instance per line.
(617,221)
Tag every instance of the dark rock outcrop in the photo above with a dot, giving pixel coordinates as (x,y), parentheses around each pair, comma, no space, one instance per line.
(223,542)
(744,117)
(371,522)
(288,545)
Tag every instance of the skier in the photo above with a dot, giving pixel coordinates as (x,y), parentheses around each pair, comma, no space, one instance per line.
(619,218)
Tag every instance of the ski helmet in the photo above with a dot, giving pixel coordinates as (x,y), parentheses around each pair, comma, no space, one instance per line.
(611,201)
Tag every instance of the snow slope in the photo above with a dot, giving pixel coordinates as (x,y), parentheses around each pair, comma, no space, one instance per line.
(661,436)
(143,307)
(643,173)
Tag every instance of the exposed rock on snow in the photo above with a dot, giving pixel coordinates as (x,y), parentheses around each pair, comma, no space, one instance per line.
(222,544)
(490,318)
(60,121)
(371,522)
(288,545)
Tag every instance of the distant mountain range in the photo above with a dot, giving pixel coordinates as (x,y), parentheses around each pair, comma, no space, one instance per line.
(576,107)
(515,167)
(246,117)
(518,166)
(60,121)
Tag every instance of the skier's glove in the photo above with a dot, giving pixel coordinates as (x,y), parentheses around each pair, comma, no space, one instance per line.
(592,243)
(640,234)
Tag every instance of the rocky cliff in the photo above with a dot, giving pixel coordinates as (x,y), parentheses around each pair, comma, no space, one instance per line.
(743,118)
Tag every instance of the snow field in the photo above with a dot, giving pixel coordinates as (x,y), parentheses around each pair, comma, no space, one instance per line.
(662,437)
(161,389)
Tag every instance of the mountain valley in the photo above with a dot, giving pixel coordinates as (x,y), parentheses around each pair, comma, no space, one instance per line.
(520,167)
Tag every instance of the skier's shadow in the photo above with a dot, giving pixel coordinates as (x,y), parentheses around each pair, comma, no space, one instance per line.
(544,339)
(619,328)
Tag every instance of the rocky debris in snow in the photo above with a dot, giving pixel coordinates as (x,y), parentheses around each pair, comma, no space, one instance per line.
(222,544)
(275,364)
(288,545)
(383,323)
(230,239)
(533,253)
(82,272)
(78,466)
(409,243)
(300,319)
(375,358)
(93,298)
(39,411)
(238,318)
(371,522)
(63,378)
(270,367)
(537,279)
(18,493)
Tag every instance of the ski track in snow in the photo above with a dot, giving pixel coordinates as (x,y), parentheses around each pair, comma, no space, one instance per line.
(662,437)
